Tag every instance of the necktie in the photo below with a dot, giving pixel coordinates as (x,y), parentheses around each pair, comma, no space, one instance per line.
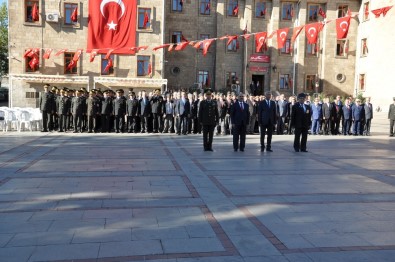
(268,103)
(241,106)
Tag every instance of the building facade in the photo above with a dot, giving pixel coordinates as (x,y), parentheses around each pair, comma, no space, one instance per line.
(331,66)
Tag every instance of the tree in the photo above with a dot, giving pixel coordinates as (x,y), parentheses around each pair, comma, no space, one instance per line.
(3,40)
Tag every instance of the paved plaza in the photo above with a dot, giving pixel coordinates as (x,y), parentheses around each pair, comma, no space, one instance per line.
(149,197)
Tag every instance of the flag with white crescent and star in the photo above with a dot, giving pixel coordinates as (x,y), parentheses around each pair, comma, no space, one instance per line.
(342,26)
(112,25)
(312,31)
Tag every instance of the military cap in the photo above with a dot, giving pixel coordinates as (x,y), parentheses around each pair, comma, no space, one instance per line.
(65,89)
(208,91)
(132,93)
(105,92)
(79,91)
(120,91)
(54,88)
(301,95)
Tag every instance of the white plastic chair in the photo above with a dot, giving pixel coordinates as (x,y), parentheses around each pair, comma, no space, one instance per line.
(11,120)
(36,118)
(25,118)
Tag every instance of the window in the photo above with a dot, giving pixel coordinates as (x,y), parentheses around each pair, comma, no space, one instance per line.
(68,11)
(364,47)
(32,61)
(68,58)
(144,65)
(230,78)
(366,11)
(203,78)
(260,9)
(233,8)
(104,63)
(205,7)
(176,5)
(342,11)
(341,48)
(311,49)
(362,82)
(29,6)
(285,81)
(287,47)
(144,18)
(32,94)
(233,46)
(203,37)
(313,13)
(310,83)
(176,37)
(287,11)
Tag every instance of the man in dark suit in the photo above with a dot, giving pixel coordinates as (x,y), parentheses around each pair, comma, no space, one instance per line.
(368,108)
(119,111)
(240,115)
(347,117)
(156,109)
(391,117)
(92,111)
(328,114)
(106,112)
(47,107)
(63,108)
(267,118)
(339,113)
(145,111)
(301,117)
(184,111)
(358,117)
(132,105)
(208,118)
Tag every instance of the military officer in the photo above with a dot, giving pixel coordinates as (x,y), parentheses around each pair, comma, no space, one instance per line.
(78,110)
(63,109)
(132,109)
(301,117)
(106,112)
(119,111)
(391,117)
(92,111)
(47,107)
(208,118)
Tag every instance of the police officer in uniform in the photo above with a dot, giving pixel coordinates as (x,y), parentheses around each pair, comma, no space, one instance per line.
(208,118)
(301,117)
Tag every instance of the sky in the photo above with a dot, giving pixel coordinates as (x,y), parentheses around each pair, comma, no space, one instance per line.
(3,1)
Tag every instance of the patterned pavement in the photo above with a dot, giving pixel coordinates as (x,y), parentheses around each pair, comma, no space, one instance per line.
(123,197)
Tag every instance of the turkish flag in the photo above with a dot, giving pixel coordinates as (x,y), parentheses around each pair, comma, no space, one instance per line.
(198,44)
(74,15)
(112,25)
(342,26)
(33,63)
(28,53)
(149,69)
(77,55)
(71,65)
(109,53)
(35,15)
(93,54)
(386,9)
(61,51)
(161,46)
(146,19)
(109,65)
(47,53)
(207,7)
(282,37)
(296,33)
(138,48)
(206,45)
(377,12)
(322,13)
(236,10)
(230,39)
(260,40)
(181,46)
(312,31)
(247,36)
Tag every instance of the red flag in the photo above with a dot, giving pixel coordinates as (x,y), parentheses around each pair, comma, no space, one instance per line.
(112,24)
(207,84)
(208,7)
(181,2)
(71,65)
(146,19)
(377,12)
(282,37)
(247,36)
(93,54)
(245,31)
(271,34)
(260,40)
(366,10)
(386,9)
(33,63)
(322,13)
(28,53)
(206,45)
(349,13)
(198,44)
(342,26)
(109,65)
(77,55)
(142,48)
(236,10)
(230,39)
(181,46)
(34,14)
(149,69)
(183,39)
(296,33)
(224,37)
(171,47)
(263,11)
(161,46)
(74,15)
(292,11)
(109,53)
(61,51)
(312,31)
(47,53)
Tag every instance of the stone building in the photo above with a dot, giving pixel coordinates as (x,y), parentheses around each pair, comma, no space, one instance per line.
(332,66)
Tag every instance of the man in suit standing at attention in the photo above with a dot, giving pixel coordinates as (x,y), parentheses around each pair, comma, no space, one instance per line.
(301,117)
(208,118)
(391,117)
(240,115)
(183,111)
(368,108)
(358,116)
(267,118)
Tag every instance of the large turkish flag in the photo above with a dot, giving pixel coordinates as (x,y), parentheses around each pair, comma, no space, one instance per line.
(112,25)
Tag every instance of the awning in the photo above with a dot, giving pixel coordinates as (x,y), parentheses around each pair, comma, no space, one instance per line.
(131,82)
(38,78)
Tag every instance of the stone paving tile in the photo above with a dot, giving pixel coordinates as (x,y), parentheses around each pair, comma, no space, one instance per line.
(69,252)
(151,233)
(5,238)
(16,254)
(342,256)
(254,245)
(191,245)
(130,248)
(101,235)
(41,239)
(24,227)
(211,259)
